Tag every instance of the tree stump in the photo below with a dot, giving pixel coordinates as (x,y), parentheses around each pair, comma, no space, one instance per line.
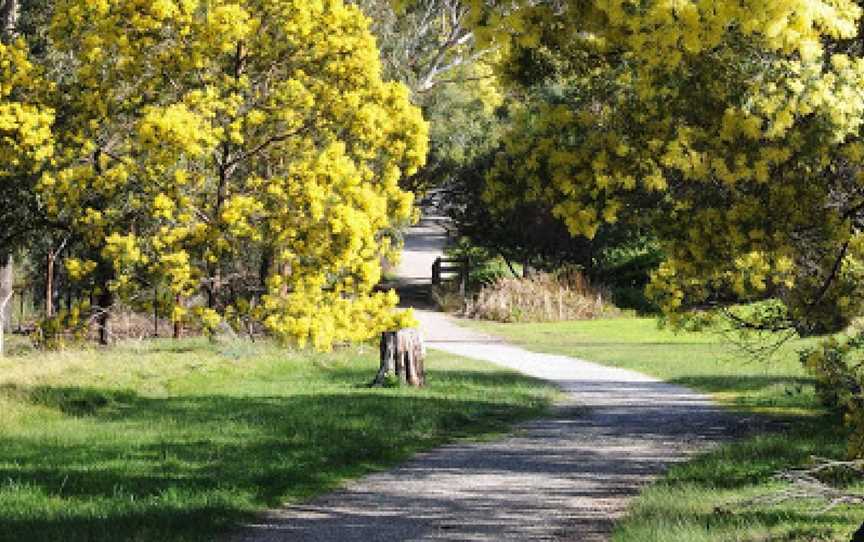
(402,355)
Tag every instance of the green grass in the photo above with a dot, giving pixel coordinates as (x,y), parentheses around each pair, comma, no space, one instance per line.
(701,500)
(181,440)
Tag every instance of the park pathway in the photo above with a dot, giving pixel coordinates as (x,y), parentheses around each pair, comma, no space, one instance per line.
(565,477)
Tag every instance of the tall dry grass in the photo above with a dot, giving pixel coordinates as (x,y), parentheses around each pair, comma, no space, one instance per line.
(545,297)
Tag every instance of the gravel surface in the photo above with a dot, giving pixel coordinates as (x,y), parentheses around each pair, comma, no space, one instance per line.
(566,477)
(423,244)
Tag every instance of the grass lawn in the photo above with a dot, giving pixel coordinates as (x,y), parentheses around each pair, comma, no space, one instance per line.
(696,501)
(168,440)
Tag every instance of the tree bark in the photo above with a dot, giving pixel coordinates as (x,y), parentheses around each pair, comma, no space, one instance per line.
(9,10)
(178,324)
(264,269)
(106,299)
(49,284)
(7,278)
(155,311)
(6,292)
(4,302)
(402,356)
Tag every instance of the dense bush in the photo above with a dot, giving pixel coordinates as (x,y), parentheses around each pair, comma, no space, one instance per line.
(838,366)
(626,274)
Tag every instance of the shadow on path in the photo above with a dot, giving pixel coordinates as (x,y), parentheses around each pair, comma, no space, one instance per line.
(566,477)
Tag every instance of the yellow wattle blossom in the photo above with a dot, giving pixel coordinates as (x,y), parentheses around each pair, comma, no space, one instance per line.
(207,136)
(722,125)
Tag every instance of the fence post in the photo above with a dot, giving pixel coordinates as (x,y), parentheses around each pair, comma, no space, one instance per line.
(21,311)
(463,277)
(155,311)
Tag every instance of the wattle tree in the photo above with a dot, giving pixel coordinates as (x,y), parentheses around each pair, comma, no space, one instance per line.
(731,129)
(248,150)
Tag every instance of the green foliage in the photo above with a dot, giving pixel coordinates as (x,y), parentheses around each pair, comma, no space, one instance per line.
(730,130)
(838,366)
(485,266)
(626,270)
(68,327)
(427,46)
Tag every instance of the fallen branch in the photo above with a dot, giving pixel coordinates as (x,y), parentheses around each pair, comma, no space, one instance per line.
(807,483)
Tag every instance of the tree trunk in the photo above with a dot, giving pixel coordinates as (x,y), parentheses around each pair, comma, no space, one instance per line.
(7,278)
(49,284)
(106,299)
(178,324)
(402,356)
(285,271)
(9,10)
(4,302)
(20,311)
(155,311)
(6,291)
(264,269)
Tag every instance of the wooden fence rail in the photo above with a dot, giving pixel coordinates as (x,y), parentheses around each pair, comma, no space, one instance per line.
(452,269)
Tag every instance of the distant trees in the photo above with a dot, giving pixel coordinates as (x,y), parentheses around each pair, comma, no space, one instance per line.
(431,48)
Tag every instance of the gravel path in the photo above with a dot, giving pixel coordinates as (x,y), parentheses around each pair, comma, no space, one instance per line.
(423,243)
(566,477)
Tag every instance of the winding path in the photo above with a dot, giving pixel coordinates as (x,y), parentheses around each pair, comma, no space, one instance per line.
(566,477)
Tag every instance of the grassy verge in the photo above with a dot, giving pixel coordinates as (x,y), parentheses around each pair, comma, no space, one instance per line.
(180,440)
(696,501)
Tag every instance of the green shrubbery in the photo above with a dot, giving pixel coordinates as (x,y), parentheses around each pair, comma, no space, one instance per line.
(503,292)
(838,366)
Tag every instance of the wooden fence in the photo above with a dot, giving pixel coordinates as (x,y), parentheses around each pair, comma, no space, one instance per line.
(452,270)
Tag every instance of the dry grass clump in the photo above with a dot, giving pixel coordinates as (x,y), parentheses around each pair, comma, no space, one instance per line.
(447,299)
(545,297)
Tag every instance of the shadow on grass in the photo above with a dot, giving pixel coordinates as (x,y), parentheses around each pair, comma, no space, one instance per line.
(707,497)
(773,392)
(728,383)
(185,467)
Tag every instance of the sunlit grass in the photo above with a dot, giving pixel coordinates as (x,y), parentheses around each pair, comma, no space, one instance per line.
(705,499)
(180,440)
(704,361)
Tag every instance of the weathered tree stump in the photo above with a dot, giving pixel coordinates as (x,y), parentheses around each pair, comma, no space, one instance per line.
(402,355)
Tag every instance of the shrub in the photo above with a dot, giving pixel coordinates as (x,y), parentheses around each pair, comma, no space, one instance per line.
(627,278)
(447,298)
(545,297)
(839,371)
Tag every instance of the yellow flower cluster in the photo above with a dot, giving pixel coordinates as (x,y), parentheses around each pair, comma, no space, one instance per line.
(25,128)
(221,130)
(722,124)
